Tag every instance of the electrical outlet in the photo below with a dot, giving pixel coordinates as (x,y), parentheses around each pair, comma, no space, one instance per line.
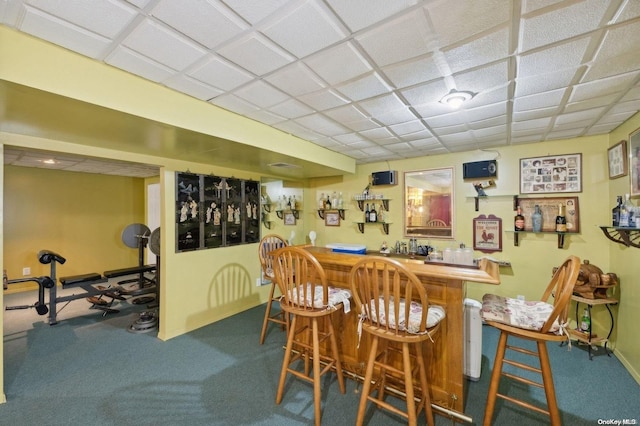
(258,282)
(26,272)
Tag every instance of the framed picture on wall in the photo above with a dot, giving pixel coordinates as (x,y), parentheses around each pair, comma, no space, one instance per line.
(554,173)
(289,218)
(487,233)
(332,218)
(617,158)
(634,162)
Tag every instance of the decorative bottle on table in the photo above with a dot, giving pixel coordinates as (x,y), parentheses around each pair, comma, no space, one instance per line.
(536,219)
(518,223)
(561,220)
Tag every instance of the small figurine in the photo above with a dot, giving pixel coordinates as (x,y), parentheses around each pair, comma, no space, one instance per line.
(384,249)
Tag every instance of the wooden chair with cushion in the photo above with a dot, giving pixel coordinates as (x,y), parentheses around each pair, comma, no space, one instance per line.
(268,245)
(538,321)
(393,307)
(308,298)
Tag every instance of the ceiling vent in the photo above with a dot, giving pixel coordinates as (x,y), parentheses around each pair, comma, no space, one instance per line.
(284,165)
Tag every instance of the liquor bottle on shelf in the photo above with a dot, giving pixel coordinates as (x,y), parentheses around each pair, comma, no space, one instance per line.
(340,201)
(518,222)
(585,323)
(328,203)
(561,220)
(367,212)
(373,215)
(615,212)
(536,219)
(334,200)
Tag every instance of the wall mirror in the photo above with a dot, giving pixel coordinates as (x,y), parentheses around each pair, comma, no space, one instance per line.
(428,198)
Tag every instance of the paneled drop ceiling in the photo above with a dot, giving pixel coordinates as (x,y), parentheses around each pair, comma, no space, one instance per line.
(365,77)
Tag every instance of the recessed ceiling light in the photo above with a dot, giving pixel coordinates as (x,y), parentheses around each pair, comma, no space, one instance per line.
(456,98)
(50,161)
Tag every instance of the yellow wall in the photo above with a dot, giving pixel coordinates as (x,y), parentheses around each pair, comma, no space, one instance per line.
(80,216)
(625,262)
(533,259)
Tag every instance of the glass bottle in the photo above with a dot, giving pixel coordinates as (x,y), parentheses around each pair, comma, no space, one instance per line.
(561,220)
(585,323)
(536,219)
(366,213)
(373,214)
(518,221)
(629,207)
(615,212)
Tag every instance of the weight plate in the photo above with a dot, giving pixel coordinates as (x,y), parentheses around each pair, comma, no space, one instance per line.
(154,242)
(132,234)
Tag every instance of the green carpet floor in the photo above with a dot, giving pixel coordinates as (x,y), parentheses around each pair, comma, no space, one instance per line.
(89,370)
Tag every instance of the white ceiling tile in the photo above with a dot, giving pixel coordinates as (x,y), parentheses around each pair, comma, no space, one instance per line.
(323,99)
(360,125)
(135,63)
(304,29)
(489,122)
(532,5)
(486,111)
(322,125)
(483,79)
(481,51)
(562,56)
(295,79)
(533,114)
(382,104)
(551,81)
(564,134)
(449,130)
(490,132)
(208,23)
(625,107)
(429,93)
(409,31)
(413,71)
(605,86)
(339,63)
(255,11)
(346,113)
(192,87)
(538,101)
(410,127)
(103,17)
(400,147)
(589,103)
(217,72)
(488,97)
(366,87)
(256,54)
(476,17)
(349,138)
(631,9)
(561,23)
(540,123)
(234,103)
(396,116)
(140,4)
(351,12)
(291,108)
(616,118)
(380,132)
(266,117)
(426,143)
(168,48)
(420,135)
(63,33)
(578,116)
(261,94)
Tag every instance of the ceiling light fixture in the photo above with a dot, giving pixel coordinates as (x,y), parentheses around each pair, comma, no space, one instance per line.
(456,98)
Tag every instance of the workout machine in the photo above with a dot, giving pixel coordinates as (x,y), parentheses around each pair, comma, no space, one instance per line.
(148,320)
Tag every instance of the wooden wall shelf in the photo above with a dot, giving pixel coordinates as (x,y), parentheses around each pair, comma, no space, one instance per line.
(629,237)
(340,212)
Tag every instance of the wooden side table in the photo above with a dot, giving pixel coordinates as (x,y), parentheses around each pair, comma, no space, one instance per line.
(588,338)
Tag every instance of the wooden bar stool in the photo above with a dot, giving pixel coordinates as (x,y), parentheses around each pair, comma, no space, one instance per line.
(269,244)
(393,306)
(536,321)
(307,295)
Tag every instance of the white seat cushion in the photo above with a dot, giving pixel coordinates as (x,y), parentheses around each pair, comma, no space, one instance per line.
(530,315)
(336,296)
(434,315)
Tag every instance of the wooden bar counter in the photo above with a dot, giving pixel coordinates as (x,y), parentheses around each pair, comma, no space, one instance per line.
(445,286)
